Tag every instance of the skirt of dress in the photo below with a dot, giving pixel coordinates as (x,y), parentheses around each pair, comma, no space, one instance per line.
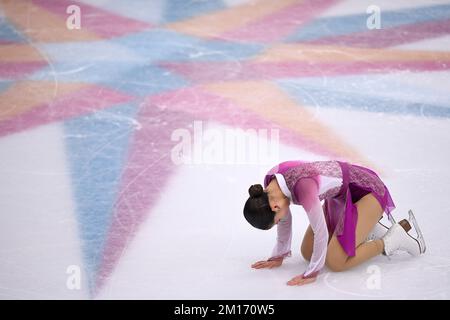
(341,212)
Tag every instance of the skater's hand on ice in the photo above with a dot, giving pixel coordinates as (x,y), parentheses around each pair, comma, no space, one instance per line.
(300,280)
(268,264)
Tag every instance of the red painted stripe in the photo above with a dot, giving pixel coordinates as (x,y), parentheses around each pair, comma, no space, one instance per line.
(84,101)
(228,71)
(17,70)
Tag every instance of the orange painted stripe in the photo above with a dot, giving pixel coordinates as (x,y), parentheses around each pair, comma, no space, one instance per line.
(214,24)
(320,53)
(19,53)
(41,25)
(271,102)
(25,95)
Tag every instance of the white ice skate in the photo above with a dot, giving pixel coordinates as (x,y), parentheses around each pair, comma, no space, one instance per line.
(378,231)
(398,238)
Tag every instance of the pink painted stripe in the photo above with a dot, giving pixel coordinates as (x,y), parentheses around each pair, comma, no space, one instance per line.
(145,176)
(210,107)
(203,72)
(84,101)
(389,37)
(17,70)
(7,42)
(280,24)
(149,165)
(99,21)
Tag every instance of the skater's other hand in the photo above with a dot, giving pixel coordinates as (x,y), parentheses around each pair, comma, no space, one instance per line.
(300,280)
(268,264)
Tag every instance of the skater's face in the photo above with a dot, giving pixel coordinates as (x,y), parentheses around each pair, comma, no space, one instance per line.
(278,202)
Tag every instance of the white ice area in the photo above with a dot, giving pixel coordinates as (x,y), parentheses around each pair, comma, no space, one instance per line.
(39,232)
(195,242)
(200,247)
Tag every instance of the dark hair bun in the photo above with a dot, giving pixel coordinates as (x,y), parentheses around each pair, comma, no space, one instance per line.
(255,190)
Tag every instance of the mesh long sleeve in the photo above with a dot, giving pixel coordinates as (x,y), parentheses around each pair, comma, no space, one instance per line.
(284,237)
(306,191)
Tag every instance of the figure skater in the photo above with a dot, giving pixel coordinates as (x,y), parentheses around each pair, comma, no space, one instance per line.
(342,233)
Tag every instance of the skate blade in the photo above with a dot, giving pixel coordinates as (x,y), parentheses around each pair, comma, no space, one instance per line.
(420,240)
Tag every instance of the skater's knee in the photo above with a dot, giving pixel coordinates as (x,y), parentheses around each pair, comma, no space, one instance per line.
(336,256)
(335,266)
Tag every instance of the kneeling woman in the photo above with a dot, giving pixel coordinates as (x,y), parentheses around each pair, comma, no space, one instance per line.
(344,232)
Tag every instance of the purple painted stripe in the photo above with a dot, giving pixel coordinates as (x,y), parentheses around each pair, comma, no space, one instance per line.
(145,175)
(206,106)
(7,42)
(84,101)
(17,70)
(382,38)
(204,72)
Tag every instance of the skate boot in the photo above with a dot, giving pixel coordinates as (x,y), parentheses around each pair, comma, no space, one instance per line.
(380,229)
(398,238)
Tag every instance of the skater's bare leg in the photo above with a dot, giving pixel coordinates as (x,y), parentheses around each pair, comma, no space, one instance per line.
(369,212)
(364,252)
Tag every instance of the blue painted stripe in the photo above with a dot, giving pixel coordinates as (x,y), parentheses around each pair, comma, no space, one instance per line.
(146,80)
(9,33)
(341,25)
(132,78)
(4,85)
(165,45)
(382,85)
(97,145)
(323,97)
(75,71)
(176,10)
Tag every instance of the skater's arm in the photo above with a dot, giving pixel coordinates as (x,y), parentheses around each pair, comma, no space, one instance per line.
(282,248)
(318,225)
(307,193)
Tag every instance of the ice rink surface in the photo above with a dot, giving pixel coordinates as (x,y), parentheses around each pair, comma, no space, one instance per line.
(121,171)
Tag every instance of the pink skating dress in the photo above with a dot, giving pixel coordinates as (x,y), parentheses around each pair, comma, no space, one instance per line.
(340,185)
